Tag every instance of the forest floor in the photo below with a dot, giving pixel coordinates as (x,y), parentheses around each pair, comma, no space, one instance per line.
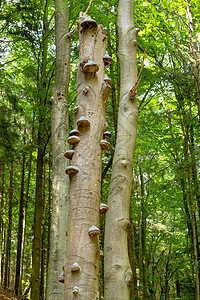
(6,294)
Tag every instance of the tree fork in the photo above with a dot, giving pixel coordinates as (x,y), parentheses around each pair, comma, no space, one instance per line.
(85,185)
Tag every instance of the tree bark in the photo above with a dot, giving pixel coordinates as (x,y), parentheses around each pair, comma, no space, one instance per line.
(9,228)
(24,220)
(85,186)
(59,129)
(117,267)
(194,53)
(1,218)
(20,231)
(36,253)
(142,238)
(42,276)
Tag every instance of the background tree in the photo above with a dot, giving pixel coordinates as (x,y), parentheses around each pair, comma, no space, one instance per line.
(59,130)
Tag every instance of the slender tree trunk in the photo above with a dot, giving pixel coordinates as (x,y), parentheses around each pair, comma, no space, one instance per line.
(43,239)
(133,259)
(1,218)
(194,53)
(24,221)
(3,253)
(35,284)
(142,246)
(9,228)
(59,130)
(49,212)
(20,231)
(117,267)
(36,254)
(85,186)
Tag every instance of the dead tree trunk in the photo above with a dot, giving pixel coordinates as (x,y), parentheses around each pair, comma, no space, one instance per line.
(117,266)
(81,270)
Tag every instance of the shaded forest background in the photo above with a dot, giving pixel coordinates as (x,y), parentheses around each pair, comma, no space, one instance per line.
(165,204)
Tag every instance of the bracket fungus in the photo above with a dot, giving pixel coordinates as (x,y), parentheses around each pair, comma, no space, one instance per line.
(101,253)
(62,277)
(106,135)
(89,23)
(76,108)
(83,122)
(75,290)
(90,67)
(73,139)
(93,231)
(103,208)
(86,90)
(107,79)
(69,153)
(105,145)
(71,170)
(75,267)
(74,132)
(107,59)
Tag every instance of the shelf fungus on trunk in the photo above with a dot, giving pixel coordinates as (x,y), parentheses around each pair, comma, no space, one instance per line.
(71,170)
(75,267)
(103,208)
(75,290)
(90,67)
(89,23)
(101,253)
(83,122)
(93,231)
(107,59)
(74,132)
(76,108)
(62,277)
(107,79)
(105,145)
(106,135)
(73,139)
(69,154)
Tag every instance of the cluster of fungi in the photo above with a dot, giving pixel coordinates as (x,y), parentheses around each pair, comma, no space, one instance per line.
(89,68)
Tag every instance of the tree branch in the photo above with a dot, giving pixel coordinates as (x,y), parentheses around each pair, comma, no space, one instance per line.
(135,87)
(75,28)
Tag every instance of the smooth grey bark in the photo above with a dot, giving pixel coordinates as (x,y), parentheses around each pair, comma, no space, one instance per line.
(117,267)
(59,130)
(85,186)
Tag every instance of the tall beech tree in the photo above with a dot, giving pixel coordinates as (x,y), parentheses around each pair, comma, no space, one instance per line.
(59,130)
(82,265)
(117,267)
